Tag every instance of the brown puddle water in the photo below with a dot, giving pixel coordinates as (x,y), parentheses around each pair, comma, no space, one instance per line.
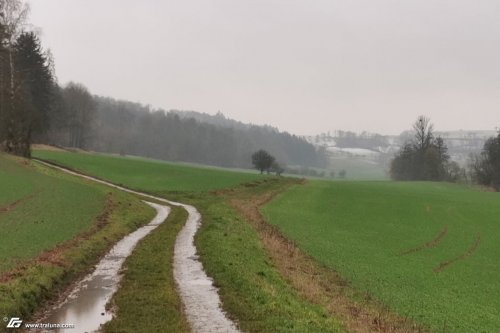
(85,307)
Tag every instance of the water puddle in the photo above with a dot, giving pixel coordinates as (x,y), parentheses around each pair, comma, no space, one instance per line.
(85,307)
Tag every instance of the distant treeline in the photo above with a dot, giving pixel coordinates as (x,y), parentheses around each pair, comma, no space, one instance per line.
(115,126)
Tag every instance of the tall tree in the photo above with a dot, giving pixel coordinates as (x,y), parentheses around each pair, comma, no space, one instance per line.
(35,88)
(425,157)
(13,15)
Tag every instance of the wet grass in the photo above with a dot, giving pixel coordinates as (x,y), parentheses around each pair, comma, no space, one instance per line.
(57,235)
(428,251)
(147,300)
(160,175)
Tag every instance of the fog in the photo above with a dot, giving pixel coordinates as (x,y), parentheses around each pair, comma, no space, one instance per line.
(302,66)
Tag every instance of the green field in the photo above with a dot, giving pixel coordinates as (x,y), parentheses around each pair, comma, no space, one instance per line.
(150,175)
(358,167)
(251,288)
(37,203)
(427,250)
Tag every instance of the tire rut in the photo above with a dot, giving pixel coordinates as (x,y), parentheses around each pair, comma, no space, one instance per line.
(199,296)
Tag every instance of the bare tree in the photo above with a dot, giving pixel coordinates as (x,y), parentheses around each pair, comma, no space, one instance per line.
(13,16)
(423,133)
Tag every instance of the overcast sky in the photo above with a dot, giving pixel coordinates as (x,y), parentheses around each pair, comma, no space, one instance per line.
(303,66)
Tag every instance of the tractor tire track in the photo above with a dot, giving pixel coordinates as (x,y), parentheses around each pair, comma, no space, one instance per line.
(199,295)
(8,207)
(469,252)
(429,244)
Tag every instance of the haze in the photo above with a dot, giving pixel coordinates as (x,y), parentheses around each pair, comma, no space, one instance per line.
(302,66)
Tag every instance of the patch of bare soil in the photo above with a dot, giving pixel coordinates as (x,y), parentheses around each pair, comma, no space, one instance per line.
(13,205)
(467,253)
(429,244)
(317,283)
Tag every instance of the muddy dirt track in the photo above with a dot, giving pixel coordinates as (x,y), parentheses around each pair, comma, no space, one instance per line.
(200,298)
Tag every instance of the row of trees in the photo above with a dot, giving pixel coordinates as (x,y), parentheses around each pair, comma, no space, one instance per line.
(108,125)
(26,81)
(425,157)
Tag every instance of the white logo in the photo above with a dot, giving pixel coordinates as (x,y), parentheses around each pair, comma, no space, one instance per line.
(14,322)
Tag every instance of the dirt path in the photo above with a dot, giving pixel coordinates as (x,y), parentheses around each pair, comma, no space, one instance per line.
(85,306)
(199,296)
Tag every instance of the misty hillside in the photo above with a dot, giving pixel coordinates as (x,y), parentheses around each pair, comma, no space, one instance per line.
(133,129)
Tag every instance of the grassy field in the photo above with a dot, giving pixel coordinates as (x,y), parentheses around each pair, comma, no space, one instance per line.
(54,228)
(35,205)
(358,167)
(429,251)
(251,288)
(148,174)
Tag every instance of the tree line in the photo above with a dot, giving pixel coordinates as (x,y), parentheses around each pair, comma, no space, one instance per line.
(108,125)
(26,81)
(425,157)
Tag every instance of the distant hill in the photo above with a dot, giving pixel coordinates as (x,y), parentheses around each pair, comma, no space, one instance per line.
(130,128)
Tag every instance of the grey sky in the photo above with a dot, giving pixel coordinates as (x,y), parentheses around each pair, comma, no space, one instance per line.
(303,66)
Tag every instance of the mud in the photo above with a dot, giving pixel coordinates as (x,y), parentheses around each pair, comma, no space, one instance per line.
(86,304)
(199,296)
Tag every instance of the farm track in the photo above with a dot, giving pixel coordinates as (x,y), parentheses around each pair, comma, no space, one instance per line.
(200,298)
(429,244)
(89,296)
(469,252)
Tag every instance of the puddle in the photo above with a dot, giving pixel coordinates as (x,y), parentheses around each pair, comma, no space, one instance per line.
(85,305)
(196,289)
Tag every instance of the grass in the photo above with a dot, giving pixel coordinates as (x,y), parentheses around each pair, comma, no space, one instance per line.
(57,234)
(147,300)
(358,167)
(47,203)
(252,290)
(160,175)
(410,246)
